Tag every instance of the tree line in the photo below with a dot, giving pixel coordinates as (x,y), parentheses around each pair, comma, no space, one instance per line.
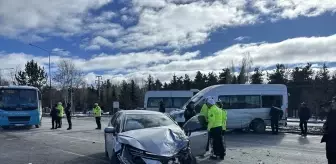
(303,83)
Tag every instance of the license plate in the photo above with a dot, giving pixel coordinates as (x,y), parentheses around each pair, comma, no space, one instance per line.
(19,124)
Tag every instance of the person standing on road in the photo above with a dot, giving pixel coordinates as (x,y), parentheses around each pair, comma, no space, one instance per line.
(68,115)
(54,117)
(275,116)
(162,108)
(60,114)
(204,112)
(189,112)
(215,124)
(97,115)
(304,115)
(329,130)
(224,118)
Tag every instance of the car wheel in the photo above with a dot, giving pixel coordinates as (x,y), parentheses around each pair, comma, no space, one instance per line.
(114,159)
(258,126)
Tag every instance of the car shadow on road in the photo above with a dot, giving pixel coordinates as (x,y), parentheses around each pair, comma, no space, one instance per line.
(98,158)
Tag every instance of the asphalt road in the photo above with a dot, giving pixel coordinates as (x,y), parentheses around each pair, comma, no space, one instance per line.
(85,145)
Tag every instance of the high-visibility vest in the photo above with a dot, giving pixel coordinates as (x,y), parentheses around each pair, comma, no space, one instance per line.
(60,110)
(97,111)
(224,118)
(204,111)
(215,118)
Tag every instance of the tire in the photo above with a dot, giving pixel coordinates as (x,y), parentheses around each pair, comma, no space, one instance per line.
(258,126)
(114,159)
(39,125)
(5,127)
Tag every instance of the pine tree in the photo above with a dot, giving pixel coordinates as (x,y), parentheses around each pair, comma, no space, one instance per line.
(225,77)
(180,83)
(187,82)
(199,82)
(150,83)
(32,75)
(158,84)
(279,76)
(124,97)
(173,83)
(165,86)
(212,79)
(257,77)
(134,95)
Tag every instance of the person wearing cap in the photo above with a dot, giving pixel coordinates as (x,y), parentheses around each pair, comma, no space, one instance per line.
(97,115)
(215,124)
(304,115)
(224,118)
(329,133)
(204,112)
(60,114)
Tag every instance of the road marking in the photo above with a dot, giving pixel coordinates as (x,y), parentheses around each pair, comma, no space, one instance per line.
(81,139)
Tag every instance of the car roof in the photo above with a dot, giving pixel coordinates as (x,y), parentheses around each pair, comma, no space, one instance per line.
(139,112)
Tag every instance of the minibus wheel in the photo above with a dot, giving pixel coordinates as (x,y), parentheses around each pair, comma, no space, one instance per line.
(258,126)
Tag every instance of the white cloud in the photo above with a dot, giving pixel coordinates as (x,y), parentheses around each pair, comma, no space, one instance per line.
(19,18)
(241,38)
(162,65)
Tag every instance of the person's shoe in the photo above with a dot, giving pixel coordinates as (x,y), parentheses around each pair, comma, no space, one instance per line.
(97,128)
(52,128)
(213,157)
(221,158)
(69,129)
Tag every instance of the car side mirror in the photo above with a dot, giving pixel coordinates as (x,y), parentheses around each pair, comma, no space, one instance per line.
(111,130)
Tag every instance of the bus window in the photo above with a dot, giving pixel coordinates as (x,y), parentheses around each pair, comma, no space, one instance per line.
(178,102)
(267,101)
(154,102)
(240,101)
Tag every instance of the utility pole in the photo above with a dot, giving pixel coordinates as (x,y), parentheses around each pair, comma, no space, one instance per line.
(1,73)
(98,81)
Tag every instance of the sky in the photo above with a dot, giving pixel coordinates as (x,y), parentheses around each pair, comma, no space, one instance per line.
(130,39)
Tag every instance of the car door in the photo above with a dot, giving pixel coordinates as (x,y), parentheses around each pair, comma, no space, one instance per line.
(197,132)
(109,138)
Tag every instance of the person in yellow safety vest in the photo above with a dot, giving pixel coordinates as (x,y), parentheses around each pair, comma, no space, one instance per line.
(224,118)
(60,114)
(97,115)
(215,126)
(204,112)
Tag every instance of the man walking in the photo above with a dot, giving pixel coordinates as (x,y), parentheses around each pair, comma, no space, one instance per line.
(68,115)
(304,115)
(275,116)
(329,130)
(97,115)
(54,117)
(60,114)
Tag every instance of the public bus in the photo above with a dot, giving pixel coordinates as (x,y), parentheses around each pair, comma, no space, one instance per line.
(20,106)
(171,99)
(247,105)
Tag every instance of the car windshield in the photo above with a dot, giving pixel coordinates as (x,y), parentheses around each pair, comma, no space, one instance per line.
(142,121)
(18,98)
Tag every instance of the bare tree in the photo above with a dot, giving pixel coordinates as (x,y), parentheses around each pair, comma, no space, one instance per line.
(68,77)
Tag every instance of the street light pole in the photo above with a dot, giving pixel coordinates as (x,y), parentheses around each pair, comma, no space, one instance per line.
(49,54)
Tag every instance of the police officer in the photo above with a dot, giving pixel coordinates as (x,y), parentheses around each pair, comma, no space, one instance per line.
(329,136)
(60,114)
(68,115)
(215,126)
(304,115)
(224,118)
(204,112)
(54,117)
(275,116)
(97,115)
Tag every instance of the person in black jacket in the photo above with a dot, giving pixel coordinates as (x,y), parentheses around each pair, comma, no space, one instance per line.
(68,115)
(162,107)
(304,115)
(275,114)
(189,112)
(329,136)
(54,117)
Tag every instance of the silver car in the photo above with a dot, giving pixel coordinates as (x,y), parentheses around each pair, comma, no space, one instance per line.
(149,137)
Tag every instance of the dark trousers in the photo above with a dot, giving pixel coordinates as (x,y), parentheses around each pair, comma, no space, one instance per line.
(59,122)
(275,126)
(303,126)
(330,152)
(98,122)
(217,141)
(69,120)
(208,142)
(224,141)
(54,122)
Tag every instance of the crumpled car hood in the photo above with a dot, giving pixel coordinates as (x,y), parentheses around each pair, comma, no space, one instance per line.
(163,141)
